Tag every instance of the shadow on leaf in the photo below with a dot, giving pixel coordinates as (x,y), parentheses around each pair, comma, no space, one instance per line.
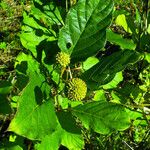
(50,48)
(67,122)
(38,95)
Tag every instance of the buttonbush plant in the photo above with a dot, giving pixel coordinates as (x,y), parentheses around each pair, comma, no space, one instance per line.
(82,79)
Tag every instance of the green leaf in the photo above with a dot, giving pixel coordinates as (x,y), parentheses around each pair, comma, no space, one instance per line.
(3,45)
(121,21)
(84,33)
(36,111)
(99,95)
(14,143)
(5,87)
(134,115)
(104,71)
(48,13)
(147,57)
(33,34)
(4,105)
(145,40)
(37,31)
(50,142)
(90,62)
(72,141)
(113,84)
(102,117)
(11,146)
(35,117)
(67,134)
(61,137)
(129,89)
(119,40)
(68,123)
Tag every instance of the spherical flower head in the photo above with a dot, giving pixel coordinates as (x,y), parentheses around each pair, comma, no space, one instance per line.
(77,89)
(63,59)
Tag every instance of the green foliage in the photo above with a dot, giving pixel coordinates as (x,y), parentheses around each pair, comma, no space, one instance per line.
(104,62)
(102,117)
(104,71)
(119,40)
(76,37)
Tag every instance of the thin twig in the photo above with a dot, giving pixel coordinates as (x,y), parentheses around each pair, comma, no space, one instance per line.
(127,144)
(69,70)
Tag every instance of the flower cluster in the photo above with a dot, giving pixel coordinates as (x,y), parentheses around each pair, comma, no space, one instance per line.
(63,59)
(77,89)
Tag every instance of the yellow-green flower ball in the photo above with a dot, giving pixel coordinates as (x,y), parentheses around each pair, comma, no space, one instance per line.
(63,59)
(77,89)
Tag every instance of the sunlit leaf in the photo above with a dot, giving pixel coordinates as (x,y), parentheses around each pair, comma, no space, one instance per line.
(121,21)
(117,39)
(35,111)
(113,84)
(104,71)
(76,37)
(102,117)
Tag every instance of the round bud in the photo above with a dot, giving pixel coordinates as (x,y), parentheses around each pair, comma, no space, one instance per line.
(77,89)
(63,59)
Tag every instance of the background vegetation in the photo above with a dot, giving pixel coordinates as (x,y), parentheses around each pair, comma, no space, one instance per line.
(34,106)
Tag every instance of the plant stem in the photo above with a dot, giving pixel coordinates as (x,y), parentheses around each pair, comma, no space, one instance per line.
(146,11)
(69,70)
(66,5)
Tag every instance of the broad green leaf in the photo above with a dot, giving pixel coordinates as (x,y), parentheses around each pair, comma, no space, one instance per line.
(38,29)
(47,12)
(68,122)
(64,102)
(67,134)
(113,84)
(134,115)
(33,34)
(119,40)
(84,32)
(128,90)
(121,21)
(90,62)
(50,142)
(99,95)
(104,71)
(39,120)
(35,117)
(102,117)
(73,141)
